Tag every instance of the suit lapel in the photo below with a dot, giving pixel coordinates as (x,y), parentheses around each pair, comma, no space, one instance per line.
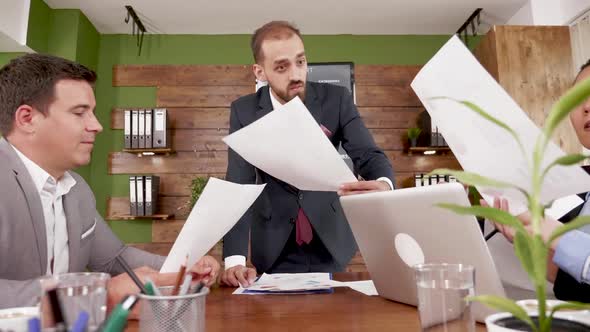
(264,103)
(73,218)
(26,184)
(313,103)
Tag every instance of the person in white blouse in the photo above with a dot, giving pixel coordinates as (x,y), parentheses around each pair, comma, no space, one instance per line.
(48,219)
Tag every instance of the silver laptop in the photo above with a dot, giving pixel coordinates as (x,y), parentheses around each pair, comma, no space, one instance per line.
(397,229)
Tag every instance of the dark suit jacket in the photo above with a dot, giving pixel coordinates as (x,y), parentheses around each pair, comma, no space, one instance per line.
(566,287)
(271,218)
(23,242)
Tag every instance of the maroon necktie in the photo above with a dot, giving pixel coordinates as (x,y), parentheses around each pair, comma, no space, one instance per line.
(303,232)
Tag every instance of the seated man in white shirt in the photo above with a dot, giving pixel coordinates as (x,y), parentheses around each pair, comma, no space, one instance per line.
(48,218)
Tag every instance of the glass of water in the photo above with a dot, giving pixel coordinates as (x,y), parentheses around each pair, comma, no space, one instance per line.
(86,291)
(442,289)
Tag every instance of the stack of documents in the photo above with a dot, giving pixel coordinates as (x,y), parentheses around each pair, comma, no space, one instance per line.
(291,283)
(303,283)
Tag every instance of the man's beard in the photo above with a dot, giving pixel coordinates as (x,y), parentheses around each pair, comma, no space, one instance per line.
(285,95)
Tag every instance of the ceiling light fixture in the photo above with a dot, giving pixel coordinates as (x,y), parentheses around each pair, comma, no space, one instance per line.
(137,26)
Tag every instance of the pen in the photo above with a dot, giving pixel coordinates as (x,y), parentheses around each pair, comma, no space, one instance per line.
(118,318)
(56,310)
(131,274)
(492,233)
(80,324)
(185,284)
(34,325)
(198,288)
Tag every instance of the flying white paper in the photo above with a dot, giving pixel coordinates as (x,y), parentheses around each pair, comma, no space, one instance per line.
(481,146)
(218,209)
(288,144)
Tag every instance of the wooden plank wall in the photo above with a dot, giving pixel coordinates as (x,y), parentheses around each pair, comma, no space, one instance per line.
(198,98)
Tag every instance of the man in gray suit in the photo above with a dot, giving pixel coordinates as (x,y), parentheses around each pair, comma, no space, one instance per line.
(48,218)
(291,230)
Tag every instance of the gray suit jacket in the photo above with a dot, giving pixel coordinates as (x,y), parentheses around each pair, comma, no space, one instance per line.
(271,219)
(23,242)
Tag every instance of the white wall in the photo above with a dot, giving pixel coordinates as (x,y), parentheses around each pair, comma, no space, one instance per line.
(523,17)
(549,12)
(14,19)
(572,9)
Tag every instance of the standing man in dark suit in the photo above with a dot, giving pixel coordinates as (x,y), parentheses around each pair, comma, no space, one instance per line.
(291,230)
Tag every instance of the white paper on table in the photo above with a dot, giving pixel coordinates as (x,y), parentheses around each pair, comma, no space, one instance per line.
(479,145)
(366,287)
(218,209)
(288,144)
(303,282)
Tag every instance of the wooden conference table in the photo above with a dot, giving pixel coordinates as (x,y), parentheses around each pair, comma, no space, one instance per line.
(343,310)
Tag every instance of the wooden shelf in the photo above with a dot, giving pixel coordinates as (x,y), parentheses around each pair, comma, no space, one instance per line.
(150,152)
(424,149)
(155,216)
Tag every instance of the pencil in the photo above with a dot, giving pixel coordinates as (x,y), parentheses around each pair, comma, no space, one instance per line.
(179,277)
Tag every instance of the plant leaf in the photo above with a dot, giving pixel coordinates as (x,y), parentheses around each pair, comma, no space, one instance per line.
(503,304)
(567,103)
(472,179)
(499,216)
(570,306)
(539,256)
(568,160)
(578,222)
(523,252)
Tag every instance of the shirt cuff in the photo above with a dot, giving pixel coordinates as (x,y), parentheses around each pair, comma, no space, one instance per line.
(235,260)
(572,253)
(386,179)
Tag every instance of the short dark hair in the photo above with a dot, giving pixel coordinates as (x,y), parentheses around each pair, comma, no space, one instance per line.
(30,80)
(582,68)
(272,30)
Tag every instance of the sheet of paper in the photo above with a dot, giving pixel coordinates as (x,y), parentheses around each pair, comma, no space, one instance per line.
(479,145)
(289,282)
(509,268)
(302,283)
(289,144)
(218,209)
(366,287)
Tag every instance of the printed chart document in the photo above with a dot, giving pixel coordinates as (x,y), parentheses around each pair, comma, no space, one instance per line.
(481,146)
(288,144)
(218,209)
(302,283)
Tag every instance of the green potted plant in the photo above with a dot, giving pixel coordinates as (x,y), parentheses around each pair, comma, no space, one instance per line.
(197,185)
(413,134)
(531,248)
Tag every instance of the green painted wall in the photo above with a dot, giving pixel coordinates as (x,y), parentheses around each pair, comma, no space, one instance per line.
(63,33)
(39,26)
(6,57)
(218,49)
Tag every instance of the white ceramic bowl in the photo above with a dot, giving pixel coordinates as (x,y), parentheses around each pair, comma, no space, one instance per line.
(16,319)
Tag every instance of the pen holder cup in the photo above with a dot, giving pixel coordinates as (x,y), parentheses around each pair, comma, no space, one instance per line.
(167,313)
(77,292)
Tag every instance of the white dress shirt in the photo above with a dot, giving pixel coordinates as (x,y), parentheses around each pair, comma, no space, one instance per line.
(235,260)
(51,192)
